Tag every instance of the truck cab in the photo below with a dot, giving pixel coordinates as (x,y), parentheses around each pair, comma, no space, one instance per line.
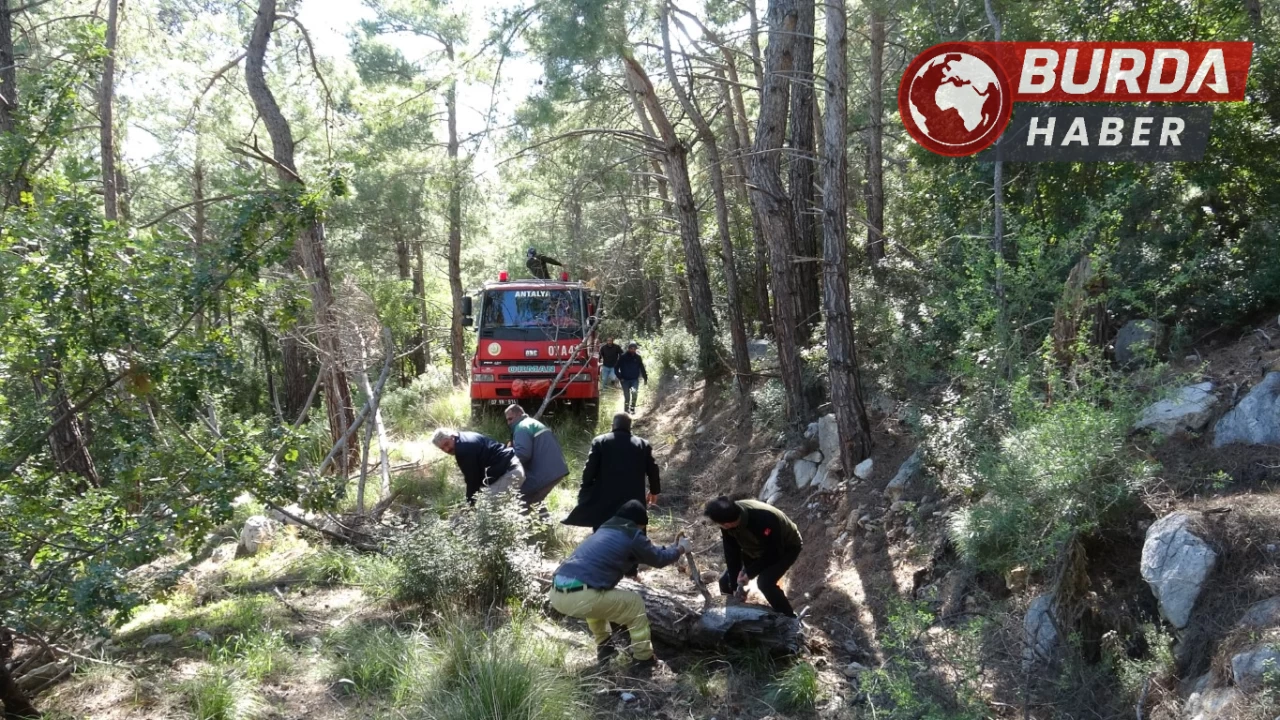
(534,338)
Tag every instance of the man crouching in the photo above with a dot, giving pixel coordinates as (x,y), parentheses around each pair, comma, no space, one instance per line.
(584,585)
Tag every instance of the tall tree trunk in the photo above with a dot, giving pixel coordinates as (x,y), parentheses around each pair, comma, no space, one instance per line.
(753,42)
(775,207)
(653,288)
(421,355)
(457,340)
(875,140)
(842,356)
(676,163)
(739,139)
(737,329)
(801,167)
(310,242)
(106,96)
(997,225)
(12,182)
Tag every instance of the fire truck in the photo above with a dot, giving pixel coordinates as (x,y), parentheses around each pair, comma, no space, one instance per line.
(529,333)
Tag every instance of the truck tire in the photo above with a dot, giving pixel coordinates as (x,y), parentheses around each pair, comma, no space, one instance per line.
(591,413)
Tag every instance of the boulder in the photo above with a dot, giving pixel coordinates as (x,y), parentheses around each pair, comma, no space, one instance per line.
(223,554)
(1256,419)
(1188,410)
(1262,615)
(1039,632)
(804,471)
(1137,341)
(1212,704)
(907,474)
(157,640)
(863,470)
(811,432)
(814,457)
(1176,563)
(1249,669)
(773,486)
(829,438)
(257,533)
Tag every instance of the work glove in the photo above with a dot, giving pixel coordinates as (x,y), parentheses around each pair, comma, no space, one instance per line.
(685,545)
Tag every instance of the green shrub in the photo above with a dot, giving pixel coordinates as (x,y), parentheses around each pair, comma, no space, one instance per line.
(796,690)
(511,673)
(676,351)
(377,659)
(481,557)
(1065,471)
(409,410)
(220,694)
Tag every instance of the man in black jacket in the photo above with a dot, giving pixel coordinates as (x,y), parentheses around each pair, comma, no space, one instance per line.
(760,542)
(617,467)
(630,371)
(537,264)
(609,354)
(484,462)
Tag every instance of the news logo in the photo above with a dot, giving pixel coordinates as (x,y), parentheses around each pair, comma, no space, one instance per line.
(958,98)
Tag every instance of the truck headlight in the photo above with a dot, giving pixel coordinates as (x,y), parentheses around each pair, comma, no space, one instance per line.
(482,377)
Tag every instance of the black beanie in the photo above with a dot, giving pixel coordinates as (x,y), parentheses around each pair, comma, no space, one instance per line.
(634,511)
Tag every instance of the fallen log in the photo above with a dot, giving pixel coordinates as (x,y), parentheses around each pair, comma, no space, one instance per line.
(674,621)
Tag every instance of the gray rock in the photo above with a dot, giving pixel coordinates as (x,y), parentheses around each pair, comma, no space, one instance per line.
(1039,632)
(804,472)
(863,470)
(853,669)
(773,486)
(1250,668)
(1176,563)
(202,637)
(223,554)
(811,431)
(1138,340)
(257,533)
(829,438)
(827,478)
(1213,704)
(907,474)
(1188,410)
(1262,615)
(1256,420)
(157,640)
(627,697)
(814,457)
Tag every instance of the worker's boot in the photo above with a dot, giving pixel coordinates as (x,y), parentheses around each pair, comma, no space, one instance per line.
(645,668)
(605,652)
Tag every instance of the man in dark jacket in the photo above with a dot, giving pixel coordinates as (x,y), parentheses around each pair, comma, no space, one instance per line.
(484,462)
(760,542)
(609,354)
(537,264)
(617,467)
(630,370)
(539,453)
(584,586)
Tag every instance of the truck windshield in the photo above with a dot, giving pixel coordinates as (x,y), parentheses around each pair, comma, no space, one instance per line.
(544,313)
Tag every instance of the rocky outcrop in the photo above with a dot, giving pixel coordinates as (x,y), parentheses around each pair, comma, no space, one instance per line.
(1249,669)
(1176,563)
(1256,420)
(1188,410)
(256,534)
(907,473)
(1137,341)
(1211,703)
(773,486)
(1040,633)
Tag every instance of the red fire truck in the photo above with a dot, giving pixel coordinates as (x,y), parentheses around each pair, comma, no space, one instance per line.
(528,331)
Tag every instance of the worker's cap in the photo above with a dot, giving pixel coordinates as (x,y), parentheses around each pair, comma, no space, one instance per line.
(633,344)
(634,511)
(532,252)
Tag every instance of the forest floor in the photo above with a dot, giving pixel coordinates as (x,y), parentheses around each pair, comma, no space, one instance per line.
(306,630)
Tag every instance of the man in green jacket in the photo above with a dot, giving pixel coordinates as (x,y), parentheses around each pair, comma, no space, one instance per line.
(760,542)
(539,453)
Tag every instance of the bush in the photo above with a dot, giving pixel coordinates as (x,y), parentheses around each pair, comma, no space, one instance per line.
(377,659)
(408,410)
(511,674)
(220,694)
(796,690)
(676,351)
(1065,471)
(483,556)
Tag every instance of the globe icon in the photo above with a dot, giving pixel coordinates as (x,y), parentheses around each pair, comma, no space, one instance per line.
(955,100)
